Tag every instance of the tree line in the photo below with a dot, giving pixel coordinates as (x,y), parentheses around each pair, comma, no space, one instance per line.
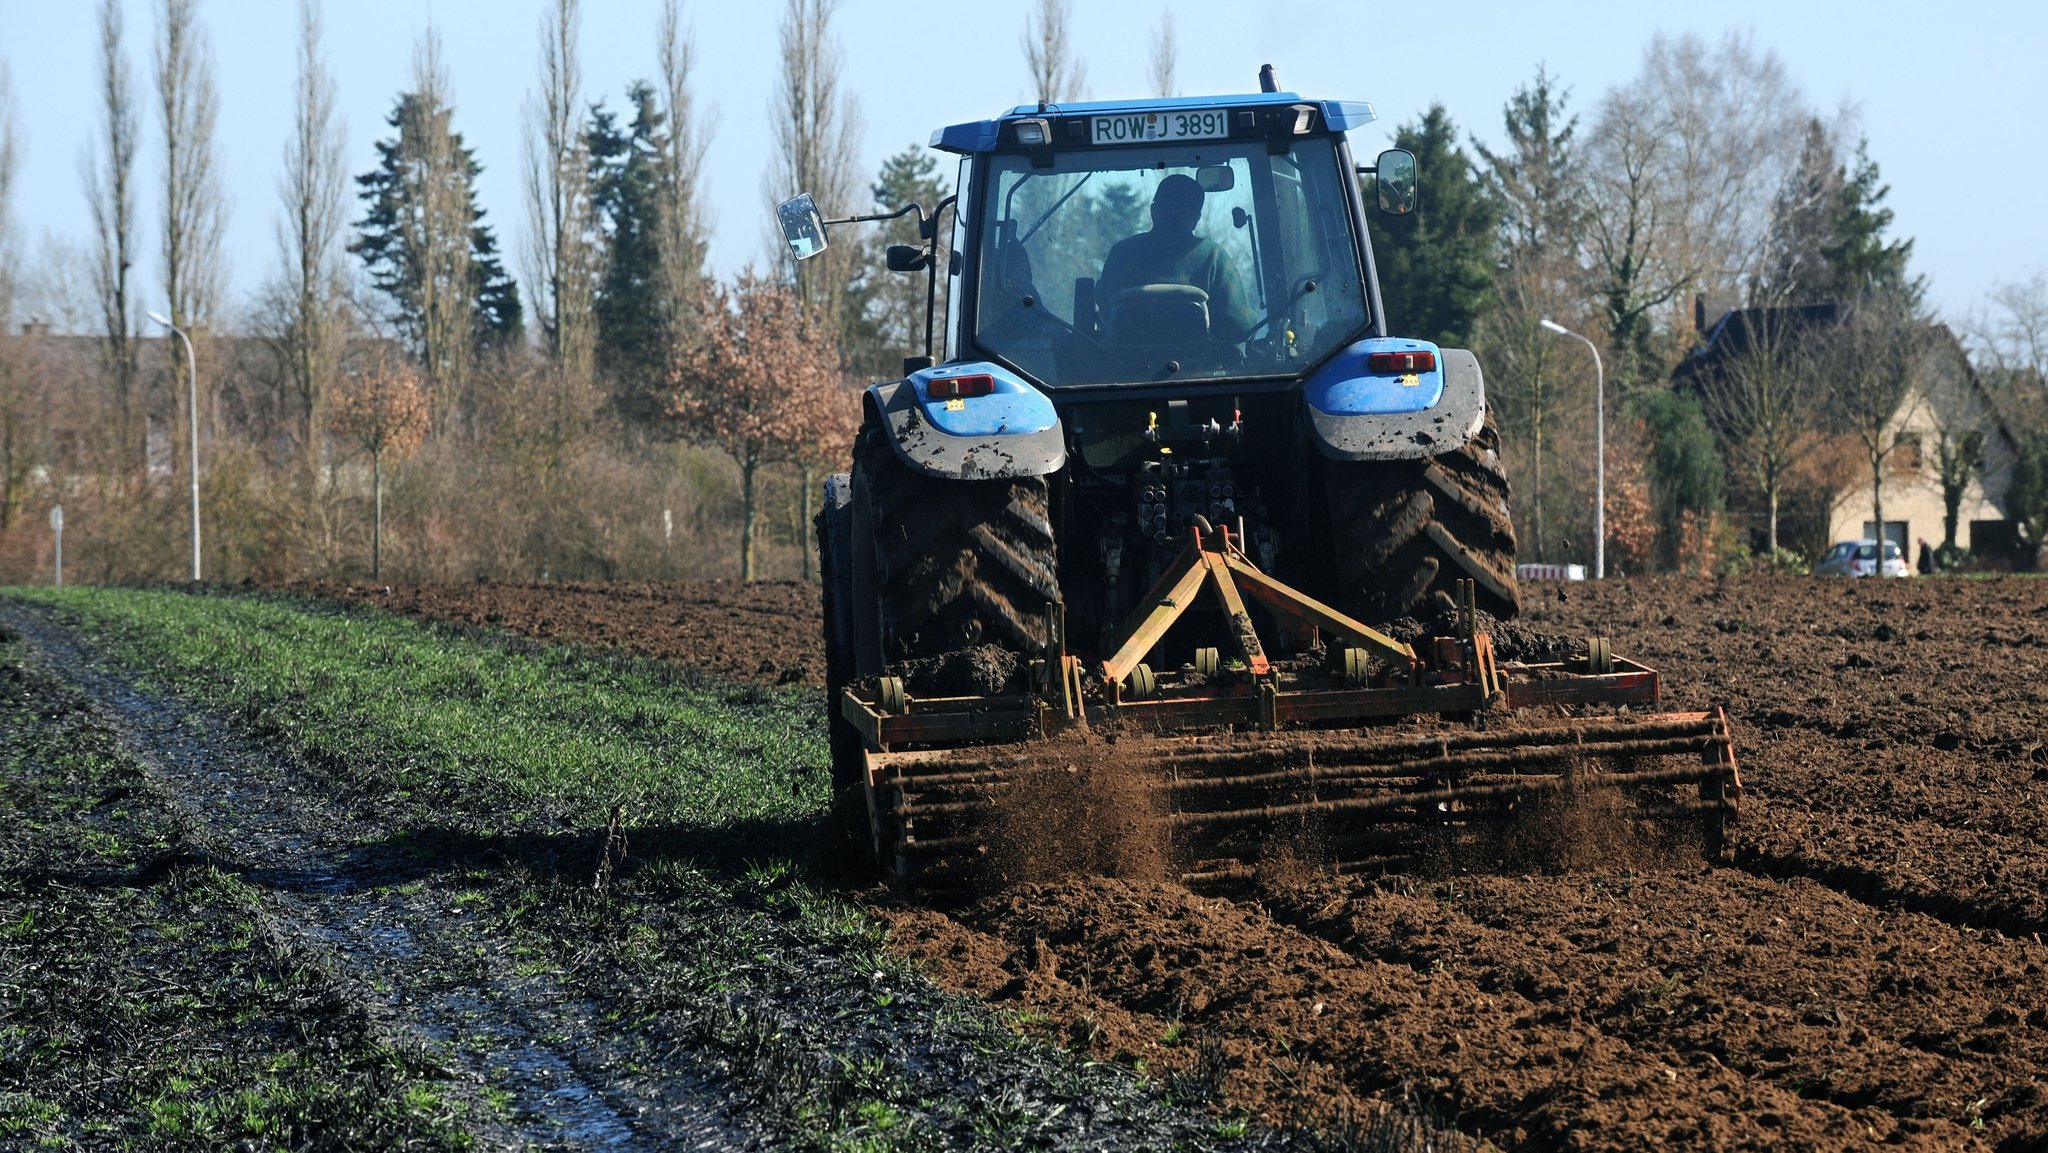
(1705,187)
(607,409)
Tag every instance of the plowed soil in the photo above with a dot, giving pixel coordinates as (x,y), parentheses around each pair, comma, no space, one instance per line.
(1869,969)
(766,631)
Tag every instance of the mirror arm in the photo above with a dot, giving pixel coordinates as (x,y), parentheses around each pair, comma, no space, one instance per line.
(931,264)
(913,206)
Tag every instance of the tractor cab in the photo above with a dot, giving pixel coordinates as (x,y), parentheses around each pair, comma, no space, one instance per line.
(1153,241)
(1164,240)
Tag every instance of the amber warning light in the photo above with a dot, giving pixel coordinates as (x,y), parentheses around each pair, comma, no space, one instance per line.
(958,387)
(1390,363)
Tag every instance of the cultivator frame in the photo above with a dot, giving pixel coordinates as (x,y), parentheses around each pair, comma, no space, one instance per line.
(935,765)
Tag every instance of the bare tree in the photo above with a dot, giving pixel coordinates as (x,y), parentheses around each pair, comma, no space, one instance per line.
(19,413)
(1869,358)
(313,191)
(58,285)
(1762,401)
(110,189)
(564,256)
(2008,339)
(10,164)
(1684,162)
(1633,271)
(195,205)
(382,409)
(1738,125)
(1165,55)
(1056,76)
(817,139)
(1963,423)
(682,217)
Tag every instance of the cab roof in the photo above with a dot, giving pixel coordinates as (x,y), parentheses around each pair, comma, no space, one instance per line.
(981,135)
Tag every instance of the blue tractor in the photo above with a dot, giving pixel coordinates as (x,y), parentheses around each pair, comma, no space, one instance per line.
(1168,369)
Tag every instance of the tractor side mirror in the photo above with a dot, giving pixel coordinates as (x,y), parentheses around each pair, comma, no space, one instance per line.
(802,225)
(1395,181)
(906,258)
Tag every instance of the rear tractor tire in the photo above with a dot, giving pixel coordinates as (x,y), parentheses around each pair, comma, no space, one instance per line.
(1403,532)
(956,564)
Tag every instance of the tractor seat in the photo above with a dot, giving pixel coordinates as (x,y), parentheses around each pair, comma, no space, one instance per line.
(1157,314)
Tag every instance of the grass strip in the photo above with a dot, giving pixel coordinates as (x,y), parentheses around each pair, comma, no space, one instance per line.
(149,1000)
(547,735)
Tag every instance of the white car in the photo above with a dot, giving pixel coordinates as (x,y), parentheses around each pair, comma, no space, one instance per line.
(1859,558)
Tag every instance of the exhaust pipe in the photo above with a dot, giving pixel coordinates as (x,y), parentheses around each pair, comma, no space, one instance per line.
(1269,81)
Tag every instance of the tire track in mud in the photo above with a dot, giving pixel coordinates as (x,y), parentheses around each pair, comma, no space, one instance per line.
(343,886)
(1881,888)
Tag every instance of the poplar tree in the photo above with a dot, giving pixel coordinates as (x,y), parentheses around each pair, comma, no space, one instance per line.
(313,193)
(564,257)
(195,206)
(1057,77)
(109,172)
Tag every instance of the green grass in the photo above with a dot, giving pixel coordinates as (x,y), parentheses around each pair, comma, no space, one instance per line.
(506,761)
(510,735)
(149,1002)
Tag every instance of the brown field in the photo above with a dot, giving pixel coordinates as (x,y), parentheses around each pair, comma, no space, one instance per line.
(1868,970)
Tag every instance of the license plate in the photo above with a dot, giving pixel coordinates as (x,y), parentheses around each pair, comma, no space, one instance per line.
(1148,127)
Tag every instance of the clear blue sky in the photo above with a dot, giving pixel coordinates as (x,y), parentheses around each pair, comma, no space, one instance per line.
(1950,94)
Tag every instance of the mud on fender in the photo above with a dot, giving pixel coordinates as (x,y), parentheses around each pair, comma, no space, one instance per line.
(971,421)
(1354,414)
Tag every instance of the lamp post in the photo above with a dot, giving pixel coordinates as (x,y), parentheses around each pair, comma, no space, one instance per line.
(1599,449)
(192,379)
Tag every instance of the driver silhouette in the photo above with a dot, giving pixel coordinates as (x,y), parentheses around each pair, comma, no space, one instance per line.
(1170,253)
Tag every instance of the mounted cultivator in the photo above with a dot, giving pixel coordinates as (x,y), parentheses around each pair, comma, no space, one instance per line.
(1233,758)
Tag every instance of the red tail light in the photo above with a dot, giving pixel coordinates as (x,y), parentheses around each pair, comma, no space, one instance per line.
(1392,363)
(958,387)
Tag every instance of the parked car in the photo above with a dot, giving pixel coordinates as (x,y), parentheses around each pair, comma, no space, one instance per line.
(1859,558)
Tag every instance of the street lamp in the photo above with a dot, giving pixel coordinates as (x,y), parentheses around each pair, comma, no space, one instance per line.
(1599,449)
(192,378)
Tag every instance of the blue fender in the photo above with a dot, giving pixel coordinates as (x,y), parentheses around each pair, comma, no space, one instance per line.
(1013,431)
(1357,414)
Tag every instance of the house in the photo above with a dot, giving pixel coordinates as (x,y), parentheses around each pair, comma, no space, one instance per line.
(1945,409)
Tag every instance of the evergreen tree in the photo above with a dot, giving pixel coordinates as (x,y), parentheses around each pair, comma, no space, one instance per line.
(1436,264)
(1828,226)
(1795,270)
(1861,262)
(1686,472)
(391,240)
(632,307)
(500,317)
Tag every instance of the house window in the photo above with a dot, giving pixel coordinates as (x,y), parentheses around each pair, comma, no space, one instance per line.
(1906,452)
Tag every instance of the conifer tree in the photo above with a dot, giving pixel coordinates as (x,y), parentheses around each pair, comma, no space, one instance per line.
(1860,260)
(425,244)
(1436,264)
(632,301)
